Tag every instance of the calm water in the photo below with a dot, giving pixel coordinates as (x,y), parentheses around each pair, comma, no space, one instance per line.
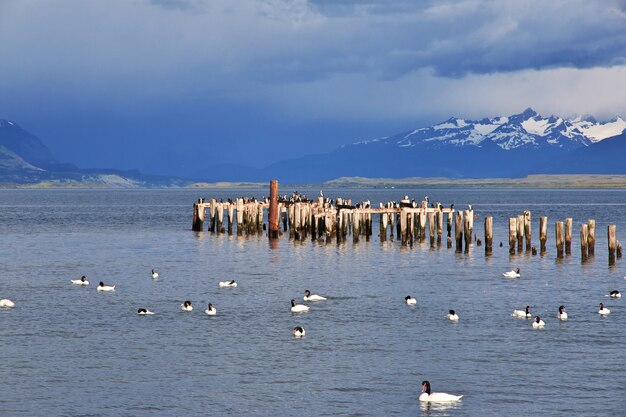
(70,351)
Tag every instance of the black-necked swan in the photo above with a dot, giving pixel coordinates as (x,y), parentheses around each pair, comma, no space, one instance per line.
(155,274)
(615,294)
(562,314)
(436,397)
(453,316)
(210,310)
(522,314)
(6,303)
(186,306)
(537,323)
(410,300)
(298,331)
(102,287)
(298,308)
(81,281)
(603,310)
(512,274)
(312,297)
(231,283)
(144,312)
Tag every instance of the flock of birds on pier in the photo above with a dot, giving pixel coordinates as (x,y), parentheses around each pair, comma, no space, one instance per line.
(426,395)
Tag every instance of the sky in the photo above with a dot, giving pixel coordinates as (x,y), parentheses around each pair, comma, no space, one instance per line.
(177,87)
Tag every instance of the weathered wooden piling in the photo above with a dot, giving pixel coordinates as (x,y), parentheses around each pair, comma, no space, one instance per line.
(612,238)
(559,236)
(467,229)
(458,231)
(512,234)
(543,234)
(449,229)
(439,216)
(584,233)
(198,216)
(527,230)
(212,218)
(488,235)
(568,236)
(431,227)
(520,233)
(591,238)
(231,212)
(219,207)
(240,216)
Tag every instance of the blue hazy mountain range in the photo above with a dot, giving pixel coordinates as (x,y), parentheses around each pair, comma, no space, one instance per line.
(504,146)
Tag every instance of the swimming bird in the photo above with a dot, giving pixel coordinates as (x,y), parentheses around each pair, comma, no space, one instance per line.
(312,297)
(6,303)
(436,397)
(453,316)
(512,274)
(210,310)
(298,308)
(537,323)
(144,312)
(228,283)
(298,331)
(155,274)
(603,310)
(562,314)
(186,306)
(102,287)
(81,281)
(410,300)
(615,294)
(522,314)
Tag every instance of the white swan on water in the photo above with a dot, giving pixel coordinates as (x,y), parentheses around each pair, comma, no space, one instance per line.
(562,314)
(102,287)
(453,316)
(210,310)
(538,323)
(522,314)
(81,281)
(410,300)
(155,274)
(186,306)
(144,312)
(312,297)
(603,310)
(298,331)
(6,303)
(512,274)
(615,294)
(298,308)
(231,283)
(436,397)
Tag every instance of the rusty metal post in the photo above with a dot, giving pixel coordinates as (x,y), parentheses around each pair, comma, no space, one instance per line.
(274,221)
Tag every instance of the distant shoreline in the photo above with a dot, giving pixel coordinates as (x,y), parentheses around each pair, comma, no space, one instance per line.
(531,181)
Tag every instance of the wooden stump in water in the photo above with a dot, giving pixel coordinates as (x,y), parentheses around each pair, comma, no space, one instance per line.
(591,238)
(512,234)
(488,235)
(198,217)
(467,229)
(527,230)
(612,238)
(584,233)
(543,234)
(559,236)
(520,233)
(568,236)
(458,232)
(431,228)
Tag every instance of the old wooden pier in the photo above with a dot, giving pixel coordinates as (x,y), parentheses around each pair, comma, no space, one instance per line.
(334,220)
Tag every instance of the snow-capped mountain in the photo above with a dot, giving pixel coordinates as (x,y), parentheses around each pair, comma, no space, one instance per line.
(526,130)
